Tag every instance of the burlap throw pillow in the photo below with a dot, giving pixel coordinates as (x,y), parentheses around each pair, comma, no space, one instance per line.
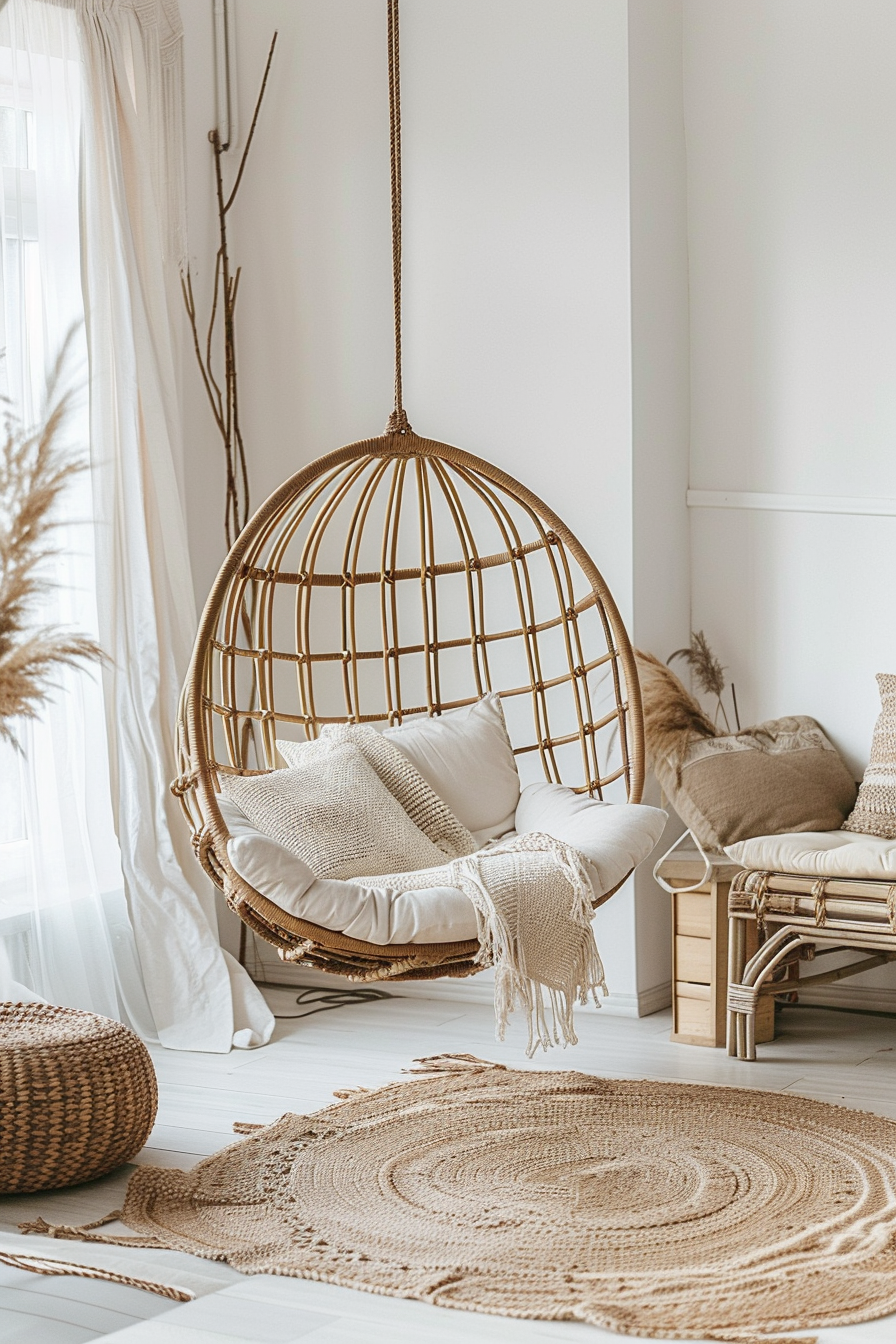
(783,775)
(334,812)
(875,809)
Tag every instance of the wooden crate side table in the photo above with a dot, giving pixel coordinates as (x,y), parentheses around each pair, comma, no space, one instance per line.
(700,949)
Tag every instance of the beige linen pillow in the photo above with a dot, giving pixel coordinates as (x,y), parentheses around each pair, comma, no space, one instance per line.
(403,780)
(334,812)
(875,809)
(782,775)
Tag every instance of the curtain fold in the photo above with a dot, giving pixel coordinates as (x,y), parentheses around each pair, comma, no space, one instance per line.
(131,242)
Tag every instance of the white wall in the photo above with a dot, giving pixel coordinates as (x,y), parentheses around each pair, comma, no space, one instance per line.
(660,401)
(516,245)
(790,108)
(537,277)
(569,169)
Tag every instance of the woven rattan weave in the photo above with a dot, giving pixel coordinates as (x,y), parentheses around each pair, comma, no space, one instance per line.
(400,576)
(800,919)
(77,1096)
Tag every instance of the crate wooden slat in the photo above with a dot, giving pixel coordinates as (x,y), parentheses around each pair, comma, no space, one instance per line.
(700,950)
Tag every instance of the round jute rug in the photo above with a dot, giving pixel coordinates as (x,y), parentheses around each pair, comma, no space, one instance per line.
(657,1209)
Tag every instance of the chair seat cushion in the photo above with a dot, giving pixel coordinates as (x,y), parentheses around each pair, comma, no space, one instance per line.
(612,838)
(844,854)
(371,914)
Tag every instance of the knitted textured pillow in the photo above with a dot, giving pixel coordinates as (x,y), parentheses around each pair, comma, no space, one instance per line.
(334,812)
(875,809)
(403,780)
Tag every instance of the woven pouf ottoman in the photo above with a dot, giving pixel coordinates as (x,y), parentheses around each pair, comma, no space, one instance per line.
(78,1096)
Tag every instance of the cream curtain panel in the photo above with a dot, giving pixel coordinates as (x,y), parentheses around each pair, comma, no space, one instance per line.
(132,241)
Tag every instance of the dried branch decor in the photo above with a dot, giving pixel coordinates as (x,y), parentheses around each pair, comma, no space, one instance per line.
(224,400)
(708,673)
(34,471)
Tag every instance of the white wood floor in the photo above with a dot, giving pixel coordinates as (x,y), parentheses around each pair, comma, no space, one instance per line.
(835,1056)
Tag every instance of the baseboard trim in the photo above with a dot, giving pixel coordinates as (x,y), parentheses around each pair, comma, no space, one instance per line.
(654,1000)
(471,989)
(866,999)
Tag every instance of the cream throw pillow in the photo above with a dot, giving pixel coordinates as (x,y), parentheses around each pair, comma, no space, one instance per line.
(466,756)
(403,780)
(875,809)
(334,812)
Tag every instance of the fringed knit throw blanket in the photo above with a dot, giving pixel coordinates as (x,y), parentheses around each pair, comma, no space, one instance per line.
(532,898)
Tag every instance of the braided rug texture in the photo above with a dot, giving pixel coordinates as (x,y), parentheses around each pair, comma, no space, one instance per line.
(657,1209)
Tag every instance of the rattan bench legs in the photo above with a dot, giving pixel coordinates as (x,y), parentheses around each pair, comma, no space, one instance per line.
(783,950)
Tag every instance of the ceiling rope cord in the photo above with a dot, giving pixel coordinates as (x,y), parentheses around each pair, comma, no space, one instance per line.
(398,420)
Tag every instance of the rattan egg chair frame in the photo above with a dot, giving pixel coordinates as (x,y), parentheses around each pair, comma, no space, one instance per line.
(236,701)
(394,577)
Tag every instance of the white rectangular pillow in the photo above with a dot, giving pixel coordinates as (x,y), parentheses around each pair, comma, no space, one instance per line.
(466,757)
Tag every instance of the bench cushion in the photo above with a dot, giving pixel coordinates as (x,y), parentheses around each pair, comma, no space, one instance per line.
(844,854)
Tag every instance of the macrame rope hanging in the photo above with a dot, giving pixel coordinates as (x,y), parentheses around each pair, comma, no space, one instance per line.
(398,420)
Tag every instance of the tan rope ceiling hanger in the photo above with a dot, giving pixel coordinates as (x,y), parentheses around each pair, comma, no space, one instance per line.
(394,577)
(398,420)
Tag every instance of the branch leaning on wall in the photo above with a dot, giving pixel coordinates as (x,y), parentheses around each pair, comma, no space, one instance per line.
(224,400)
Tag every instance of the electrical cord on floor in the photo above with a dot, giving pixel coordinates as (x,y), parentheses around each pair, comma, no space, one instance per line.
(325,999)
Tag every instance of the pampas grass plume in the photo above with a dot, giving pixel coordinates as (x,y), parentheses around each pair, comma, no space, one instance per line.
(672,717)
(35,469)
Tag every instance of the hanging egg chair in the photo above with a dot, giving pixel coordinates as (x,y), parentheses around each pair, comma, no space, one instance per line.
(392,579)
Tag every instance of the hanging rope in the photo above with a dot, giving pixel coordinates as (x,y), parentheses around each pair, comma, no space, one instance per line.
(398,420)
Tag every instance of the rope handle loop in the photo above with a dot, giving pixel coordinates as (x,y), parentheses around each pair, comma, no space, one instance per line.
(707,869)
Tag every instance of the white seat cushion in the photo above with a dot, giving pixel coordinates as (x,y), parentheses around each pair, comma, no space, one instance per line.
(466,757)
(846,854)
(371,914)
(613,838)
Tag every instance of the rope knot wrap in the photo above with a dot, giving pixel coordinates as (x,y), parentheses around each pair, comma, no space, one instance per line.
(398,423)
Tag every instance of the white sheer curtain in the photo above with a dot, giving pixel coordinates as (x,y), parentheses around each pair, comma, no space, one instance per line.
(126,229)
(65,933)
